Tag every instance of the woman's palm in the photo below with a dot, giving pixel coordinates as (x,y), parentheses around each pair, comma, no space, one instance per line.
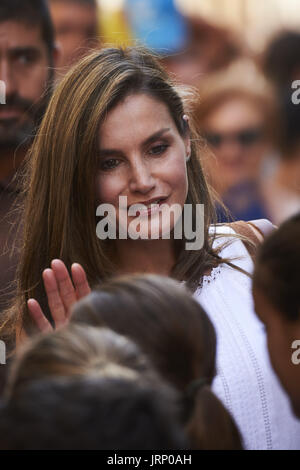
(62,291)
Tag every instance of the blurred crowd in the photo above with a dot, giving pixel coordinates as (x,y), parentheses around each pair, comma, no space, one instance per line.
(247,111)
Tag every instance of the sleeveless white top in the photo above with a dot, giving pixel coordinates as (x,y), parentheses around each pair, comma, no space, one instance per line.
(245,381)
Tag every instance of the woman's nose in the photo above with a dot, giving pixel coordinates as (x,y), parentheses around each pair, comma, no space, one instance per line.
(141,179)
(230,151)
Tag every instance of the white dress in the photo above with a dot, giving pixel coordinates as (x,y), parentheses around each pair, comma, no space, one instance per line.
(245,381)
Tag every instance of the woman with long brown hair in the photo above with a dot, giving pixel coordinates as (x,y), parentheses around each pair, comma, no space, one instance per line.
(116,127)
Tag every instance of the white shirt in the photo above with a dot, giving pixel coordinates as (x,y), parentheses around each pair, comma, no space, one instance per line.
(245,381)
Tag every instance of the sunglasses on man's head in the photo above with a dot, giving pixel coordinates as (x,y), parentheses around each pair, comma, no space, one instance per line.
(245,137)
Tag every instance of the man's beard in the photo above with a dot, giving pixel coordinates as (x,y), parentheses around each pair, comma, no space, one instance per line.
(14,134)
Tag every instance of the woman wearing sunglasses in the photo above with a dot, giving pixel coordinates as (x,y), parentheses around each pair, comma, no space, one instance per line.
(117,129)
(236,117)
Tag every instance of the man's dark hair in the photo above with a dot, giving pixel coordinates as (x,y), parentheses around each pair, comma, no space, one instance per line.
(282,58)
(282,65)
(290,129)
(32,12)
(91,413)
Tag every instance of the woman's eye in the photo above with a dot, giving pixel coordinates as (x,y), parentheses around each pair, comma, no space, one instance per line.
(158,149)
(109,164)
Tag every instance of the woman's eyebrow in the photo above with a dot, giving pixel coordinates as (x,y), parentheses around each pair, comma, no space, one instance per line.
(155,136)
(110,152)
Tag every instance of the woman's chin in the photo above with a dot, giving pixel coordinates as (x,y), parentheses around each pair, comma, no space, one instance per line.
(149,230)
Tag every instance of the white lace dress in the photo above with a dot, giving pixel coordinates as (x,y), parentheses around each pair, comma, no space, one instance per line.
(245,381)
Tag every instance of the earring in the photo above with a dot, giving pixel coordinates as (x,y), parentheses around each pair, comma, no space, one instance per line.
(188,156)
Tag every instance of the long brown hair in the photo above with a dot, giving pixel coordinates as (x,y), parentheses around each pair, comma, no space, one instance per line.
(60,208)
(173,330)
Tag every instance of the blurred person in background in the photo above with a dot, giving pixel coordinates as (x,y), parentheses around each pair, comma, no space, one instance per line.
(189,47)
(282,189)
(281,59)
(76,29)
(27,60)
(235,114)
(282,66)
(210,48)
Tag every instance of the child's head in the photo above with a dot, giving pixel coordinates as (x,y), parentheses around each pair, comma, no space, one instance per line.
(74,352)
(90,412)
(173,330)
(162,318)
(87,388)
(276,290)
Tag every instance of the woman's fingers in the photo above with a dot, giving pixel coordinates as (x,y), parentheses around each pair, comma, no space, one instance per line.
(37,315)
(61,292)
(65,285)
(80,281)
(56,306)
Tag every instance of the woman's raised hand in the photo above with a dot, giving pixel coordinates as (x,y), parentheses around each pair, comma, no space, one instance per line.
(62,292)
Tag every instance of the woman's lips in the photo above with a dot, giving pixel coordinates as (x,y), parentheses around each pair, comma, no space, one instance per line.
(153,209)
(148,209)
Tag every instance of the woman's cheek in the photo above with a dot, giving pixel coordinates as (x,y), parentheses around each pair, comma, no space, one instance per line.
(178,178)
(108,189)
